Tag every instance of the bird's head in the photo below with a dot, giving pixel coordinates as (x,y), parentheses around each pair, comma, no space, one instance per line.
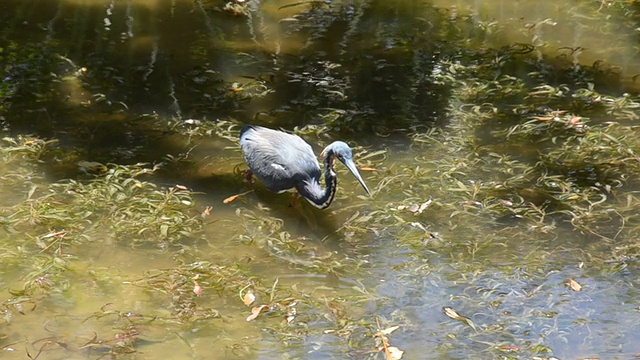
(341,151)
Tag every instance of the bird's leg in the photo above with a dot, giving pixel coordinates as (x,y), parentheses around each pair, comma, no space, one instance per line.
(248,175)
(293,202)
(304,211)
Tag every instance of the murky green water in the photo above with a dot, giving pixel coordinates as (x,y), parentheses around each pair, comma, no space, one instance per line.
(121,82)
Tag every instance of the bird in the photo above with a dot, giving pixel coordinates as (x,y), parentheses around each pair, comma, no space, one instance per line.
(283,161)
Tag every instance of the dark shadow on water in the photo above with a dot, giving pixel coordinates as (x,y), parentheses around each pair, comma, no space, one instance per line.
(299,217)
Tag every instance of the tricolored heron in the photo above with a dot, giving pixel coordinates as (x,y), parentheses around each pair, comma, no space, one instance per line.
(284,161)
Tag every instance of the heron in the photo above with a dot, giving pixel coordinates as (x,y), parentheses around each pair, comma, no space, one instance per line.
(283,161)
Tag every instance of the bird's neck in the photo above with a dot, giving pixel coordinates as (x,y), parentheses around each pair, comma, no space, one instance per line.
(318,197)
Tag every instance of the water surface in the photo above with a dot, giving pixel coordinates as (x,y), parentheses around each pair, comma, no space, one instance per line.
(126,66)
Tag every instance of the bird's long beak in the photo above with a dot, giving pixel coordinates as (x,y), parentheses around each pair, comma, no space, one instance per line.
(354,170)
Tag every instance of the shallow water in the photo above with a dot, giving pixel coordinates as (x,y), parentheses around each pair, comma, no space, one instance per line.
(179,60)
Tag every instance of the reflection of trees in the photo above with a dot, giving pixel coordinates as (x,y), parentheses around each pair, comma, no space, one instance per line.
(355,66)
(371,60)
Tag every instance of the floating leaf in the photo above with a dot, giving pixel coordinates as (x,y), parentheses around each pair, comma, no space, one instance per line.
(390,352)
(249,298)
(206,211)
(388,331)
(415,208)
(573,285)
(393,353)
(230,199)
(234,197)
(255,311)
(197,289)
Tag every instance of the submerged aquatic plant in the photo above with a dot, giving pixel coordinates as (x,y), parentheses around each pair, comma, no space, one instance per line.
(54,220)
(570,162)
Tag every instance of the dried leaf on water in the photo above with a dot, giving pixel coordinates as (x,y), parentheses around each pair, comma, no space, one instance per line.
(415,208)
(393,353)
(389,330)
(573,285)
(197,289)
(249,298)
(230,199)
(390,352)
(206,211)
(234,197)
(255,311)
(452,313)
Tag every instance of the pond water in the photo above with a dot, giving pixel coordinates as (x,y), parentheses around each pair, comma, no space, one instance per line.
(457,245)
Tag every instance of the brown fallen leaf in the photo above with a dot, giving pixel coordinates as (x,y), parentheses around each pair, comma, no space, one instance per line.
(415,208)
(255,311)
(230,199)
(388,331)
(390,352)
(234,197)
(197,289)
(393,353)
(206,211)
(575,120)
(249,298)
(573,285)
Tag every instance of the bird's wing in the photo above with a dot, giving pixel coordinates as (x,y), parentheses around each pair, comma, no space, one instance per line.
(279,160)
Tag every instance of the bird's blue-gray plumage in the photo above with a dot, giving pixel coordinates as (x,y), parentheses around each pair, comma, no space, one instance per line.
(284,161)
